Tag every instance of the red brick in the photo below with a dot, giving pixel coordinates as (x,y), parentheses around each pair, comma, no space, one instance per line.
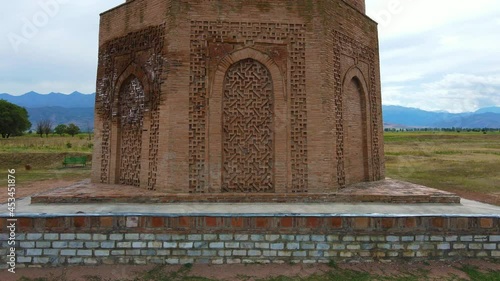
(486,223)
(184,221)
(282,49)
(106,222)
(80,222)
(437,222)
(157,221)
(286,222)
(53,222)
(410,222)
(211,221)
(337,222)
(237,222)
(313,222)
(388,222)
(361,223)
(25,222)
(262,222)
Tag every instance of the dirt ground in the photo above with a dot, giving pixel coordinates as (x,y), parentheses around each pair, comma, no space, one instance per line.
(434,270)
(32,188)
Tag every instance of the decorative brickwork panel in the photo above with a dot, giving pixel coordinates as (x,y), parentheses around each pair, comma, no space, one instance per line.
(344,45)
(248,150)
(131,123)
(237,33)
(144,48)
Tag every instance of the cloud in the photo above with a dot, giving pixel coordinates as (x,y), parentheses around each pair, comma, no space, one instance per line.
(438,60)
(56,45)
(455,93)
(440,55)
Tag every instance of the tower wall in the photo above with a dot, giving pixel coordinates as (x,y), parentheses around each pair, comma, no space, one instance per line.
(182,50)
(358,4)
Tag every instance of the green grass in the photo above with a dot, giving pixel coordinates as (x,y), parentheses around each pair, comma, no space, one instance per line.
(183,274)
(477,275)
(44,156)
(456,162)
(54,143)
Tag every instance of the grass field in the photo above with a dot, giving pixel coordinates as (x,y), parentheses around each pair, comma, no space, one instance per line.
(45,156)
(465,163)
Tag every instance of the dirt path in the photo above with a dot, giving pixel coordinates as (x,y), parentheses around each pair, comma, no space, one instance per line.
(424,271)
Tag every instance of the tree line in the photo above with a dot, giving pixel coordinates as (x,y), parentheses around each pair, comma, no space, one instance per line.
(44,127)
(14,121)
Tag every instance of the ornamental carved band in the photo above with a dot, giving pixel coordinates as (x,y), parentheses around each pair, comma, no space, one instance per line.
(237,35)
(248,151)
(121,106)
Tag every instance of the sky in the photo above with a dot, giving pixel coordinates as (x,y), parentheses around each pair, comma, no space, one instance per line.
(435,55)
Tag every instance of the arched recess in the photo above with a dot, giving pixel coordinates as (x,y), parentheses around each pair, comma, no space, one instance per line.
(255,61)
(357,128)
(130,116)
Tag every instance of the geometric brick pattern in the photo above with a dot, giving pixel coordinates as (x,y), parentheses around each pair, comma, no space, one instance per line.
(150,41)
(203,32)
(298,143)
(131,105)
(248,150)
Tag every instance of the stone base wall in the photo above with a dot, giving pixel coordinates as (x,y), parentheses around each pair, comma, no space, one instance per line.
(219,240)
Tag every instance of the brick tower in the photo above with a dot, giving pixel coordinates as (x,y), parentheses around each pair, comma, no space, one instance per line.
(238,98)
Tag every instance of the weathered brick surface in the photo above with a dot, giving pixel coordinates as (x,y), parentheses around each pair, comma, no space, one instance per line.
(214,240)
(314,127)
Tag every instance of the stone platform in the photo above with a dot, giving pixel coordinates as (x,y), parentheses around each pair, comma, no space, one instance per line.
(386,191)
(106,232)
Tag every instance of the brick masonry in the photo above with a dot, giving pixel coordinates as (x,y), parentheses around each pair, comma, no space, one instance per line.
(317,128)
(55,241)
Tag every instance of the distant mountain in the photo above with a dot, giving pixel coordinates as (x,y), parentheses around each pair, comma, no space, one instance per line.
(78,108)
(494,109)
(74,108)
(82,117)
(35,100)
(413,117)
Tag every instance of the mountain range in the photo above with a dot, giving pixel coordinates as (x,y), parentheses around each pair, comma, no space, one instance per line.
(78,108)
(74,108)
(405,117)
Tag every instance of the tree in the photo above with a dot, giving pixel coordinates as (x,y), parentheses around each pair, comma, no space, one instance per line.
(61,129)
(44,126)
(13,119)
(73,129)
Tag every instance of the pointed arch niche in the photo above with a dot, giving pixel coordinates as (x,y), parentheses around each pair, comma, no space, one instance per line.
(262,148)
(357,128)
(129,134)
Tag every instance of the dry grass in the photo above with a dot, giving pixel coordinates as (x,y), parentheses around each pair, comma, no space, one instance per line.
(44,156)
(465,163)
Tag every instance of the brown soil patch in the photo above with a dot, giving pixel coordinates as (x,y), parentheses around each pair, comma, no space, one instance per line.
(488,198)
(432,270)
